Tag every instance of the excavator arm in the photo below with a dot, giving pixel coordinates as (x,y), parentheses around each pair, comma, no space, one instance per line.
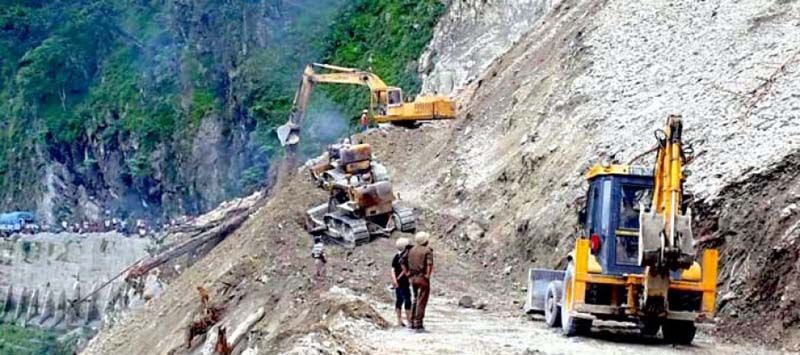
(289,133)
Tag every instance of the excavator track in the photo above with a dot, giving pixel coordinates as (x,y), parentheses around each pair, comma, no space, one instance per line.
(352,232)
(405,219)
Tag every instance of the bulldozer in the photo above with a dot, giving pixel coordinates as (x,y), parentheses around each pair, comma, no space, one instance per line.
(387,104)
(325,169)
(634,260)
(361,203)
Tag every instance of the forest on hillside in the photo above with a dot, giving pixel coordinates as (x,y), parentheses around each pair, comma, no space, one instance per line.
(161,107)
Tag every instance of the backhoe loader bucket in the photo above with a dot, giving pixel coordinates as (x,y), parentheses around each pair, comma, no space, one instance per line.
(651,227)
(538,281)
(652,240)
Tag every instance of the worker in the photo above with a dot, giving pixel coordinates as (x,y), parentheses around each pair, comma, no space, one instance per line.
(420,269)
(318,254)
(364,120)
(400,283)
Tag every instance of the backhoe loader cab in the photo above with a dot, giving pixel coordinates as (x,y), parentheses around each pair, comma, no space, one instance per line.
(611,216)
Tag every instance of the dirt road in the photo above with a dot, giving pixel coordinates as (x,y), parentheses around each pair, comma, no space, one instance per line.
(454,330)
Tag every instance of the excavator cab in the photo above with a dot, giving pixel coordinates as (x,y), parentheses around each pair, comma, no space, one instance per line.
(394,97)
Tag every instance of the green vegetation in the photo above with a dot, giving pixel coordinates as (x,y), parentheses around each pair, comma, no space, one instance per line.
(83,82)
(386,37)
(15,340)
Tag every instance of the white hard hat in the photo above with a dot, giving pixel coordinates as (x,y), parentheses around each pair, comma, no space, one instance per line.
(401,243)
(365,111)
(421,238)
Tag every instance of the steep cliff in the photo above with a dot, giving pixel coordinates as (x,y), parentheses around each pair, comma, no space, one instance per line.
(156,108)
(146,108)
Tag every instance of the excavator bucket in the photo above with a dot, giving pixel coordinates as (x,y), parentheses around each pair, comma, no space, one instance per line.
(288,133)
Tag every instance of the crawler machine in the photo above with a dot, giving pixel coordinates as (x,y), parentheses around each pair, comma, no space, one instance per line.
(361,202)
(387,104)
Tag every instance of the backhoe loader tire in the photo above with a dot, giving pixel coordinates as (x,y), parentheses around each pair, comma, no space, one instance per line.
(552,304)
(570,325)
(678,331)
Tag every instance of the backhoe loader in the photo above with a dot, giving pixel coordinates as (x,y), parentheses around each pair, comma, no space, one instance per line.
(632,262)
(387,104)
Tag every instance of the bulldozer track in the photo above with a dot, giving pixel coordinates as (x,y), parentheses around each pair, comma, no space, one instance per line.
(352,232)
(407,219)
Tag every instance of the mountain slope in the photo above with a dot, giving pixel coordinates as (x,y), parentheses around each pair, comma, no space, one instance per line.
(590,81)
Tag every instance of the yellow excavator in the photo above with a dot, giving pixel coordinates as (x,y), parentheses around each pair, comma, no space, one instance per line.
(387,104)
(633,262)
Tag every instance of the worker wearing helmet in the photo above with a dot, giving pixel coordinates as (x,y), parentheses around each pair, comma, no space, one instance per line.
(400,283)
(364,120)
(420,269)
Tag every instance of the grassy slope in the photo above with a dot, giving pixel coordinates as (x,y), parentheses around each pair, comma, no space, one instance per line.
(15,340)
(386,37)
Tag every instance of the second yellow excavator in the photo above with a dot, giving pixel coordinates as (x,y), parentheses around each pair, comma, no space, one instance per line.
(386,102)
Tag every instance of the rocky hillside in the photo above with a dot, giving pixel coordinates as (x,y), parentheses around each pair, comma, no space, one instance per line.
(589,81)
(157,108)
(592,81)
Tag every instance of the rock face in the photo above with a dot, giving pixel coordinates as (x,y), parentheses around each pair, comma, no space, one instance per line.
(592,81)
(471,35)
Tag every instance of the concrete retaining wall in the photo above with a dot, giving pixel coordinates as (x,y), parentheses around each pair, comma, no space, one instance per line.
(43,275)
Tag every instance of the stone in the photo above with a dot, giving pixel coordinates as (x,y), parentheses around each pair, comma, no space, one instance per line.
(466,302)
(789,210)
(60,308)
(33,306)
(8,300)
(22,303)
(474,231)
